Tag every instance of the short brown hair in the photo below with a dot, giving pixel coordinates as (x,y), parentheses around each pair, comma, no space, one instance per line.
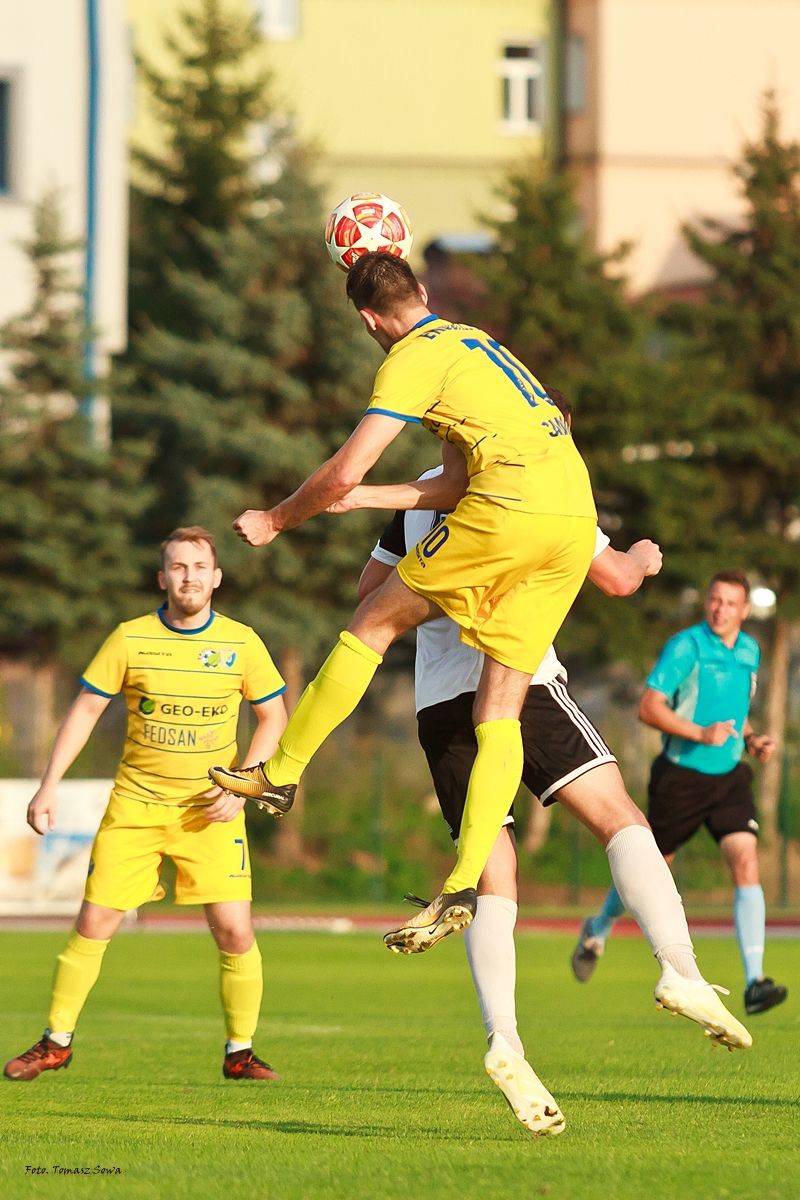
(737,577)
(195,534)
(382,282)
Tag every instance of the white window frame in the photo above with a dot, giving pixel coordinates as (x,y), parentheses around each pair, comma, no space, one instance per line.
(517,74)
(279,19)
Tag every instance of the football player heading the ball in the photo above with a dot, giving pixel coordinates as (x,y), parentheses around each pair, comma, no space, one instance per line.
(505,565)
(183,671)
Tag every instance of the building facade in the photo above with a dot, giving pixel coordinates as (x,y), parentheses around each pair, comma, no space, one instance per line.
(658,97)
(429,101)
(65,90)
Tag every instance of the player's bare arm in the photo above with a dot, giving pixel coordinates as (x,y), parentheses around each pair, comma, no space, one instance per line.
(329,483)
(619,573)
(271,718)
(72,736)
(654,710)
(439,493)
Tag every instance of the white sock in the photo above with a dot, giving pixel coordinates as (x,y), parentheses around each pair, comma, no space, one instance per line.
(232,1047)
(645,883)
(60,1038)
(493,962)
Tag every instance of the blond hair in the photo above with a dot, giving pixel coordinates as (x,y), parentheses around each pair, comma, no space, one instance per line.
(195,534)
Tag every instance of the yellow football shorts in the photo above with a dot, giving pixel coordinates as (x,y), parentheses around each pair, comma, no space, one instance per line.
(507,578)
(212,858)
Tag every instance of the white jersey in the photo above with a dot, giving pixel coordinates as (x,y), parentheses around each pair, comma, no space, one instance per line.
(445,666)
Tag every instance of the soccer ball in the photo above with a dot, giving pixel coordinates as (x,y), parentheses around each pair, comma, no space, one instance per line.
(367,221)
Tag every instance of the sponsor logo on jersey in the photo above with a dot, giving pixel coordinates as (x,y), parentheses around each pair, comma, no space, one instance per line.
(168,735)
(211,658)
(147,706)
(190,710)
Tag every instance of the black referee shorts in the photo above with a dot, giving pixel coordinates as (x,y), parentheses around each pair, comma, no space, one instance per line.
(681,800)
(560,744)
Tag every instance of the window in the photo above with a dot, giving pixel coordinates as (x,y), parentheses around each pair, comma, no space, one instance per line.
(280,19)
(522,87)
(575,74)
(5,137)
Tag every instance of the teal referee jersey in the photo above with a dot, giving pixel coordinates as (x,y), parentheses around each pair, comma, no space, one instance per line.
(706,681)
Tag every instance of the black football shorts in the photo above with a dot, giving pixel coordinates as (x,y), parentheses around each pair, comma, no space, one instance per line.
(682,799)
(560,744)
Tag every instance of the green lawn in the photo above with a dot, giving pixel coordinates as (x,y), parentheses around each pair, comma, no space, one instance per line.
(384,1094)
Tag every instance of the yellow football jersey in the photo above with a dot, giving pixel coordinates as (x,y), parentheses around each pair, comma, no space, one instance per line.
(467,389)
(183,689)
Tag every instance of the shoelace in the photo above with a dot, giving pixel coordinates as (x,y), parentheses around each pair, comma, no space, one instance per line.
(252,1061)
(40,1050)
(416,900)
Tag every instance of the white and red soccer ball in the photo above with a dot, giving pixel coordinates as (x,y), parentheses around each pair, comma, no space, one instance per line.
(364,222)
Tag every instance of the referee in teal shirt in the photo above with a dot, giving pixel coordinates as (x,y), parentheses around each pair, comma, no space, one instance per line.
(698,695)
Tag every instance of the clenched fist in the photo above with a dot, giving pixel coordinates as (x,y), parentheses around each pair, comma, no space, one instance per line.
(257,527)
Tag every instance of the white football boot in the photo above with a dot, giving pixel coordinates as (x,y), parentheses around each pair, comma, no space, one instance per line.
(527,1096)
(698,1000)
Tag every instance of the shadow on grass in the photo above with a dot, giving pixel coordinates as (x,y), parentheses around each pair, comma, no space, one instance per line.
(638,1097)
(393,1132)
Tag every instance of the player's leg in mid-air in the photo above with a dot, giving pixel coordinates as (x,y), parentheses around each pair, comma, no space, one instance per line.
(566,759)
(647,890)
(511,608)
(514,625)
(447,736)
(674,818)
(389,611)
(493,775)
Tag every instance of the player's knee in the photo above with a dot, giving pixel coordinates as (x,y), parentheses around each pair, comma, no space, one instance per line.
(232,940)
(96,922)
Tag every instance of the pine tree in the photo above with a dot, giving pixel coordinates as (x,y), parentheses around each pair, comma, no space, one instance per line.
(745,345)
(65,553)
(562,308)
(245,362)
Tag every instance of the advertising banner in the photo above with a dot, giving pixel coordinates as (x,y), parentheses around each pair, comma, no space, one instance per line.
(44,876)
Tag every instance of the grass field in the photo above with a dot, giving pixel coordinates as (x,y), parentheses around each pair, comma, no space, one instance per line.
(384,1094)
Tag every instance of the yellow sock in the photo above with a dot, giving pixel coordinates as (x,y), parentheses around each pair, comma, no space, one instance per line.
(493,784)
(327,701)
(241,984)
(77,969)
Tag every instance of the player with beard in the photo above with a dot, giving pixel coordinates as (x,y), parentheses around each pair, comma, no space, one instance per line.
(183,671)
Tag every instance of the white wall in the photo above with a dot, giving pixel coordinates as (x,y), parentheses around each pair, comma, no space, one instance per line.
(677,87)
(43,48)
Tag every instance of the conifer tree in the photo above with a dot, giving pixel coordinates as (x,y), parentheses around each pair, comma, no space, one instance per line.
(563,309)
(65,553)
(745,343)
(245,361)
